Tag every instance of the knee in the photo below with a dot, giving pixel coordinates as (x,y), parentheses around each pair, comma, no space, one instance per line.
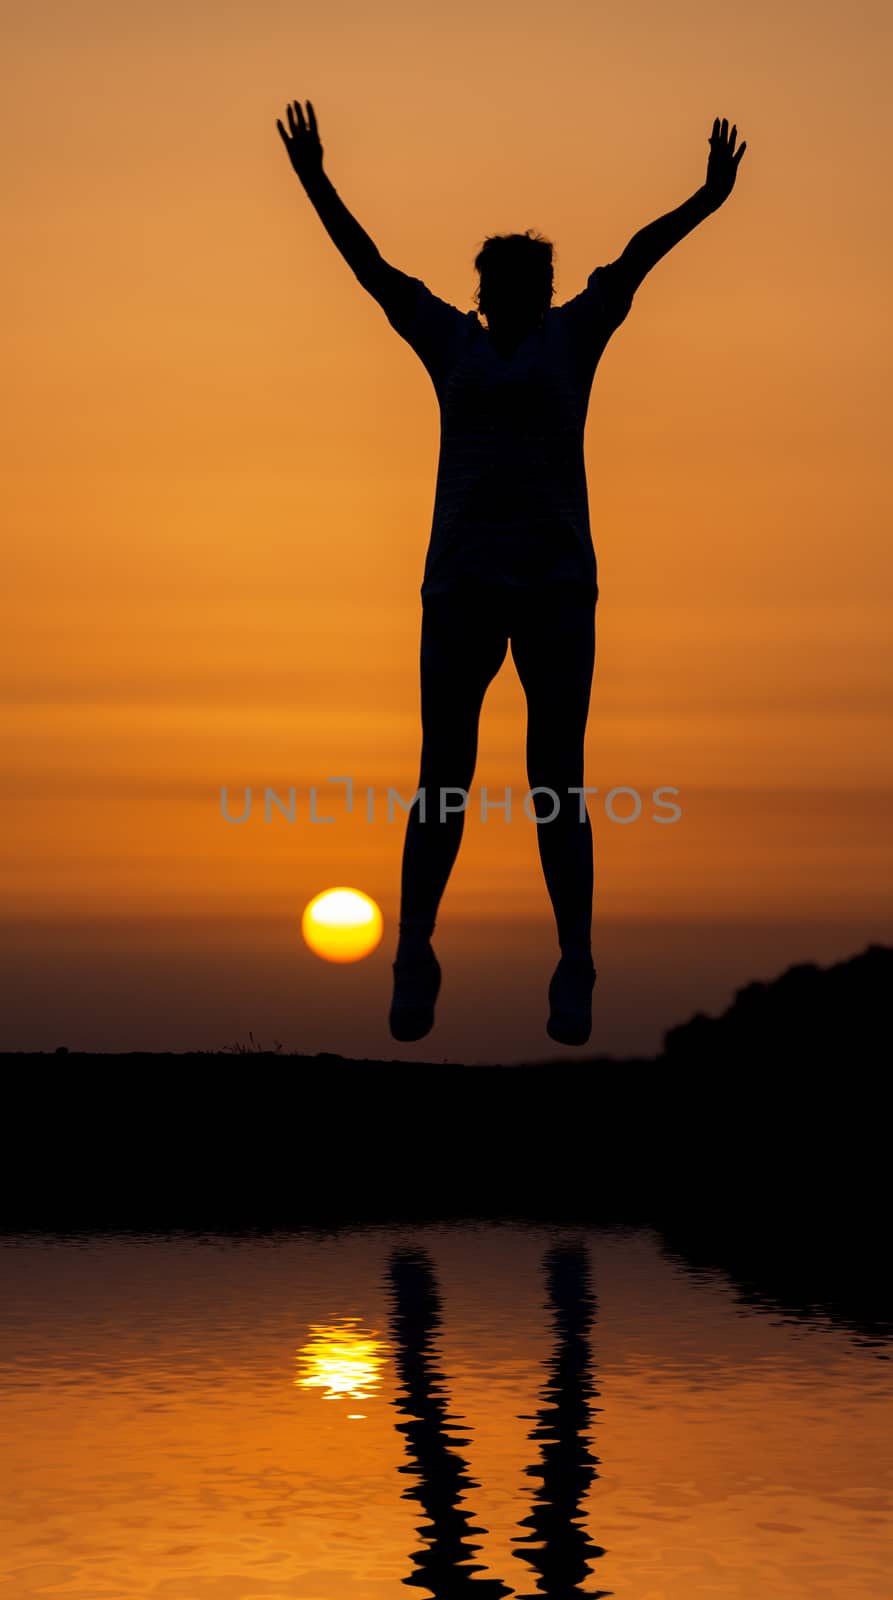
(554,765)
(447,762)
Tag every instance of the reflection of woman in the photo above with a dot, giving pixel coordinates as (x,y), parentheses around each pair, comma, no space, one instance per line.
(553,1540)
(445,1564)
(557,1546)
(510,556)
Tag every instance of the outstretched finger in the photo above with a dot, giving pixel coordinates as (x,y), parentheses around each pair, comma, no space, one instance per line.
(283,133)
(739,153)
(311,115)
(300,116)
(732,137)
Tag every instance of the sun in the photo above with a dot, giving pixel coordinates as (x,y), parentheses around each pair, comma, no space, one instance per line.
(342,925)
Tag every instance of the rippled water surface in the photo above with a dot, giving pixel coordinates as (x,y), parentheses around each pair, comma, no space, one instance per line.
(476,1411)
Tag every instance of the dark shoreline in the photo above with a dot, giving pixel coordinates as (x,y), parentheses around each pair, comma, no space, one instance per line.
(780,1178)
(756,1142)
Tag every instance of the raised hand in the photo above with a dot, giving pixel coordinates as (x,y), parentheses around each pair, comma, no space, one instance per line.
(722,163)
(302,142)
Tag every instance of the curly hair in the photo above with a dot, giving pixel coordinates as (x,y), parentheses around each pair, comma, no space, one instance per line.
(516,259)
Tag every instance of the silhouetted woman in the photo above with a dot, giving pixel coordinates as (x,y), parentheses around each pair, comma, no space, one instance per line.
(510,556)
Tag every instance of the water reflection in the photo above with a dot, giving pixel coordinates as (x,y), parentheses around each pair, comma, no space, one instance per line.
(342,1360)
(748,1450)
(445,1564)
(557,1547)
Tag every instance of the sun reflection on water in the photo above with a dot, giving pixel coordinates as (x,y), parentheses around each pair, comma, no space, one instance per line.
(342,1359)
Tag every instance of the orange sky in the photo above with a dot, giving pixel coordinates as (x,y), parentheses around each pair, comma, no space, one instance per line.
(219,470)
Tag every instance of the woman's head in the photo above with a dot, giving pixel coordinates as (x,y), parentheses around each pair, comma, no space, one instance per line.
(516,277)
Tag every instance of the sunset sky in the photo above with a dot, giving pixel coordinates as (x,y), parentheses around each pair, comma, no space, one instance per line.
(219,462)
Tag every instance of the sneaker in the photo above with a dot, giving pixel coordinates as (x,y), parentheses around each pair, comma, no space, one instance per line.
(416,986)
(570,1002)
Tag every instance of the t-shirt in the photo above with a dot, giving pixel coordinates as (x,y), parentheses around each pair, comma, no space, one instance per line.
(511,503)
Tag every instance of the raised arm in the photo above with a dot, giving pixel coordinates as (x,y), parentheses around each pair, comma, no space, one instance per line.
(647,246)
(363,257)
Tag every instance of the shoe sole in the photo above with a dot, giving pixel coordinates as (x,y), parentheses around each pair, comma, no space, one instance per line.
(568,1030)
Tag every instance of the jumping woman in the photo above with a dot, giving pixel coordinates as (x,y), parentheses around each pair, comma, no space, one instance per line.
(510,556)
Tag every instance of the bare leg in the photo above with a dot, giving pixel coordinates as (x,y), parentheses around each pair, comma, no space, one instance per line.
(553,646)
(463,644)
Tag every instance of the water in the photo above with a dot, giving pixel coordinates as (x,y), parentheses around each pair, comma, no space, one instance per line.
(466,1411)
